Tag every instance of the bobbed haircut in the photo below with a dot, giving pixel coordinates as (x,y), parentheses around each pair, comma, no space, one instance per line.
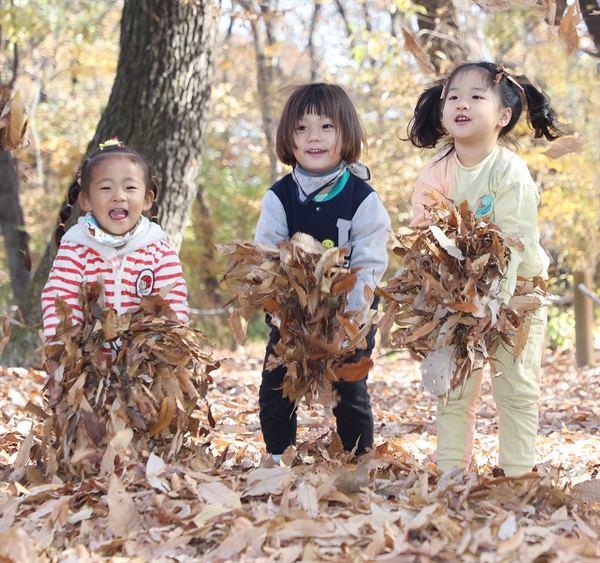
(328,100)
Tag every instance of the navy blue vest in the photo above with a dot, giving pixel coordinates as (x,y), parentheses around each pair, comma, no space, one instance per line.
(329,221)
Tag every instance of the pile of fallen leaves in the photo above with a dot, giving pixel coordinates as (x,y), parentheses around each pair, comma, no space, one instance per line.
(120,380)
(221,500)
(445,299)
(303,288)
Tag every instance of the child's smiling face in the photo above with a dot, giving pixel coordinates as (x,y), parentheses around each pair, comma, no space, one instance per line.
(317,144)
(117,194)
(472,112)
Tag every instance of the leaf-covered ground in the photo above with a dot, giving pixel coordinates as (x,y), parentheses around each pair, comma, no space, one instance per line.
(221,499)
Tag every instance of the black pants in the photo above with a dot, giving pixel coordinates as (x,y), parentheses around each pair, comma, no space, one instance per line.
(353,411)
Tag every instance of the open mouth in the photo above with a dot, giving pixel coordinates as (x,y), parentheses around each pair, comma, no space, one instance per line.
(118,214)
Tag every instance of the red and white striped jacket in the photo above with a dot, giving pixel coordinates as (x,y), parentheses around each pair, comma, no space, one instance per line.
(146,264)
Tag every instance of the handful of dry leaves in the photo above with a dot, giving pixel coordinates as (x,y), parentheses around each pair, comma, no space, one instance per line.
(302,287)
(445,299)
(144,393)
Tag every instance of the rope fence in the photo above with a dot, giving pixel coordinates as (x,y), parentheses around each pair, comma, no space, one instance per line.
(588,293)
(210,312)
(583,301)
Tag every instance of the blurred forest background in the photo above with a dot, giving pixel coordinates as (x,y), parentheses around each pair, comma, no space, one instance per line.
(79,69)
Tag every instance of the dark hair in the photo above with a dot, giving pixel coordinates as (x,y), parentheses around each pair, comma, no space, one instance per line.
(327,100)
(426,129)
(82,184)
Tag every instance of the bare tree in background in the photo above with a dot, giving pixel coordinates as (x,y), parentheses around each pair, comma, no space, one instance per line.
(12,223)
(262,32)
(12,220)
(310,44)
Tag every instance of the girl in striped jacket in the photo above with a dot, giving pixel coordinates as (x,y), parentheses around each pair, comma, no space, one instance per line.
(113,243)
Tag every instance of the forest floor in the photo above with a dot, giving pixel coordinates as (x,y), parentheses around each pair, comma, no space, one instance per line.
(220,499)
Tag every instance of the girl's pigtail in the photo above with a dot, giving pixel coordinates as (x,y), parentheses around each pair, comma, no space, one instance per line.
(66,211)
(542,117)
(426,128)
(154,212)
(154,208)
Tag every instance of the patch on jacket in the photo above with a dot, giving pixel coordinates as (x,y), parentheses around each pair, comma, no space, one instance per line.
(483,207)
(144,283)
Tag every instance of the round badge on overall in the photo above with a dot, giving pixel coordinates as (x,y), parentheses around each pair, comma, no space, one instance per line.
(144,283)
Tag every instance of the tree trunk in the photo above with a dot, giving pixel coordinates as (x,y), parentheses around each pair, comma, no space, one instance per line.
(341,8)
(264,79)
(589,11)
(310,44)
(212,294)
(159,106)
(24,346)
(160,99)
(13,227)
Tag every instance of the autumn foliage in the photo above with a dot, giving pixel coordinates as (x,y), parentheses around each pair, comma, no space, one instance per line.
(120,380)
(445,299)
(303,288)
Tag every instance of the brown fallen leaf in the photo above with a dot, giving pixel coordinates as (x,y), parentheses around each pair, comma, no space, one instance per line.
(123,517)
(13,118)
(565,145)
(420,55)
(17,545)
(587,491)
(167,412)
(567,28)
(354,371)
(324,506)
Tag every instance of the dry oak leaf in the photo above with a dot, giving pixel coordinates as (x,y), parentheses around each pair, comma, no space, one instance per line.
(587,491)
(13,118)
(123,517)
(354,371)
(17,545)
(567,29)
(565,145)
(420,55)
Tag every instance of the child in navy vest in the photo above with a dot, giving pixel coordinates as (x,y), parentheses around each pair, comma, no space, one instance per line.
(326,196)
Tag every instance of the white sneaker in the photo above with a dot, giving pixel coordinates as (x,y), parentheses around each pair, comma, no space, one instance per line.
(276,458)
